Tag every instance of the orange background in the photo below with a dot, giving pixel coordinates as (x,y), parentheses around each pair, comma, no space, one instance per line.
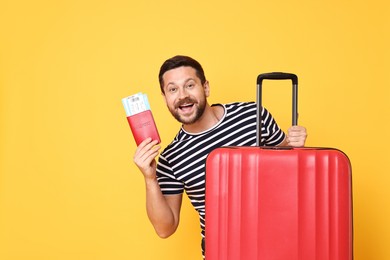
(68,187)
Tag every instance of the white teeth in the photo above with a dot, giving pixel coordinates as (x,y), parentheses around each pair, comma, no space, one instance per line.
(186,105)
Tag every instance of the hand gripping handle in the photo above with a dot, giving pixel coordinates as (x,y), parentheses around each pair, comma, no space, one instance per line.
(276,76)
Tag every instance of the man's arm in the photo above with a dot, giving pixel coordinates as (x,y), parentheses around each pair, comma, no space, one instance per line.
(163,211)
(296,137)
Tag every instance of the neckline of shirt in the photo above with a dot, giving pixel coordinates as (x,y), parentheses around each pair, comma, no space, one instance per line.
(214,126)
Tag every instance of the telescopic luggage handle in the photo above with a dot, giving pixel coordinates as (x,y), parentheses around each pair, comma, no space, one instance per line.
(276,76)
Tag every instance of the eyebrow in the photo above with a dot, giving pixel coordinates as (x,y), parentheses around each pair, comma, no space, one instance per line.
(186,81)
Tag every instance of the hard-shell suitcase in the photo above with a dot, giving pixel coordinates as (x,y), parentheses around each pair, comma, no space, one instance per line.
(278,203)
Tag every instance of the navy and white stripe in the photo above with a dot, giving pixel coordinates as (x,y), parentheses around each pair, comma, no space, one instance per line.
(181,166)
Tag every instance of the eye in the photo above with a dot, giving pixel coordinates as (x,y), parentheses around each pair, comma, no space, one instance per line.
(172,89)
(190,85)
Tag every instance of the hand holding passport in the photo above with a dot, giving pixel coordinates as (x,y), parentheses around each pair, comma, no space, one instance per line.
(140,118)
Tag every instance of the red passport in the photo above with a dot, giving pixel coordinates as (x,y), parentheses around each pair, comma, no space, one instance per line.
(142,126)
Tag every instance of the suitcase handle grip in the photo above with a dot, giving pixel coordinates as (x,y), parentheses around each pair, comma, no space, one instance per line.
(276,76)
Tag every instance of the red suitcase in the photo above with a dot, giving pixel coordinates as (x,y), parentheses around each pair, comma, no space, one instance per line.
(278,203)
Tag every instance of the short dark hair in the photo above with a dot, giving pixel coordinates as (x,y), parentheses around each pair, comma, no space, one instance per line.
(180,61)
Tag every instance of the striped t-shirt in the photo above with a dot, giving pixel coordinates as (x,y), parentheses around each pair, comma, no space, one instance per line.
(181,165)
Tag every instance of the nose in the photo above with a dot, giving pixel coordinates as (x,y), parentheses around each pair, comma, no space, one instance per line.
(183,93)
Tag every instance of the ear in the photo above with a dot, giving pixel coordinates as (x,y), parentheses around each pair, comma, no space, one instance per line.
(206,88)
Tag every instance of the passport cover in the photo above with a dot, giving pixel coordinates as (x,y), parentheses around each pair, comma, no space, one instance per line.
(142,126)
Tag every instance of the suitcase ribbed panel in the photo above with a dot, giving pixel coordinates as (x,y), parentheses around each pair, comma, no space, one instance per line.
(278,204)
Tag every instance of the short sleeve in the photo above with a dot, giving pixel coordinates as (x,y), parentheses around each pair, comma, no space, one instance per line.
(271,134)
(169,185)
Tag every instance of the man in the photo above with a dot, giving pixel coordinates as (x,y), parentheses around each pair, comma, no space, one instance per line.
(181,166)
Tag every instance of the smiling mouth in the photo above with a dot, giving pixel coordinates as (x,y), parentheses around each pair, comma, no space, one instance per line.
(186,106)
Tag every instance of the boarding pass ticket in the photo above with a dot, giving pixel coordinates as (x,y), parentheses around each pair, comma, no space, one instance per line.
(136,103)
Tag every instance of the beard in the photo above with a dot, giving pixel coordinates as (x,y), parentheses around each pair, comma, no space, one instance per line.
(188,120)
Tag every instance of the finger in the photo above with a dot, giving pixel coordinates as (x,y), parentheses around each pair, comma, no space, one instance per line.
(150,154)
(297,128)
(297,131)
(145,145)
(296,134)
(296,141)
(150,145)
(146,155)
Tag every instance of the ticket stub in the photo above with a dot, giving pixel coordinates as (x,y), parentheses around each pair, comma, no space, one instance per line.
(135,104)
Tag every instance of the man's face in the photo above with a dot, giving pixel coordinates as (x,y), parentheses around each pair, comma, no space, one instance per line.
(185,95)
